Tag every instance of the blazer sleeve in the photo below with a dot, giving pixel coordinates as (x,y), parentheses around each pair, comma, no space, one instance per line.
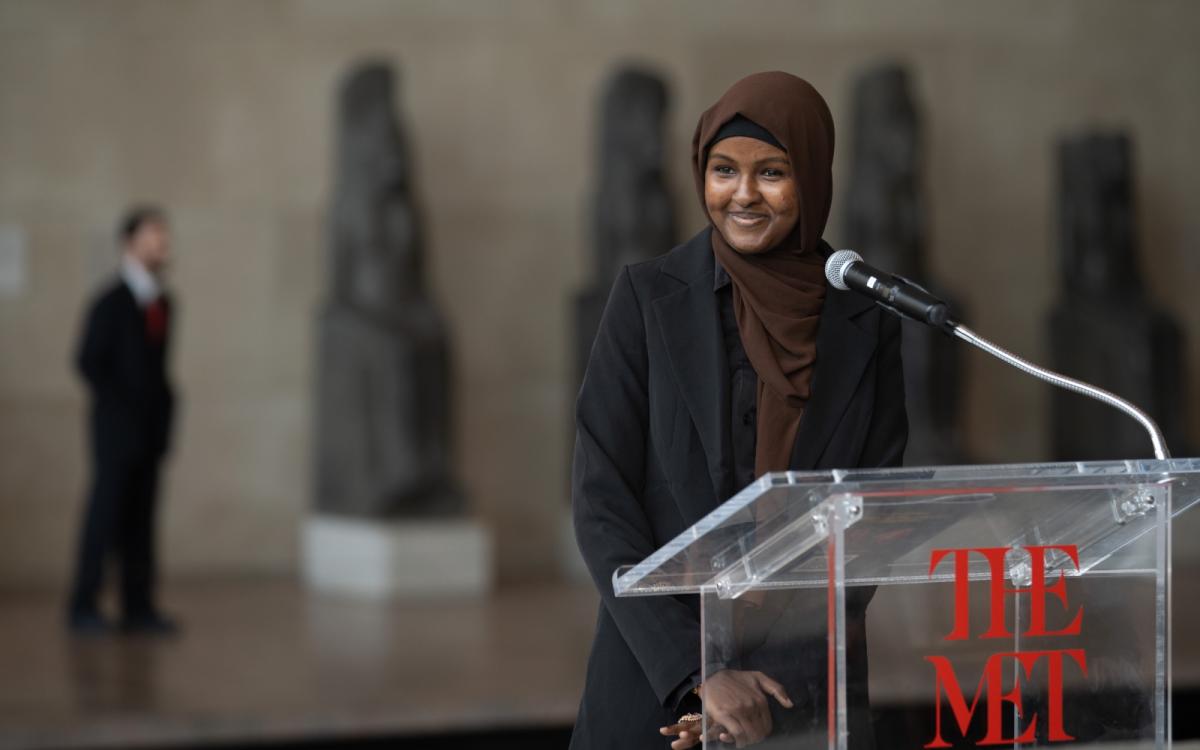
(888,433)
(607,494)
(96,348)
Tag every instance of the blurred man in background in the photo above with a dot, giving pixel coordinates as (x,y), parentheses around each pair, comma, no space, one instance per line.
(122,356)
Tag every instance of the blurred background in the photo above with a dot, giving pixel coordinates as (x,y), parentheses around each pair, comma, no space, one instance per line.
(225,114)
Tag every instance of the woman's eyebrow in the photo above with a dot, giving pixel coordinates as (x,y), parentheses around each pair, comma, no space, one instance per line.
(726,157)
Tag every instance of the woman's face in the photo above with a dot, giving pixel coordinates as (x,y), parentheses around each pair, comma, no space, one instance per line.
(750,193)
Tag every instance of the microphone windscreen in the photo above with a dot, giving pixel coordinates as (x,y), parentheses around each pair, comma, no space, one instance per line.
(835,267)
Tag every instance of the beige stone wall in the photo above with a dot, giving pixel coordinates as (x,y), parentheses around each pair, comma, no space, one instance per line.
(222,111)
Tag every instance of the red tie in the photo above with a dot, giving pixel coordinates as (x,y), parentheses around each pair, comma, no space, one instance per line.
(156,321)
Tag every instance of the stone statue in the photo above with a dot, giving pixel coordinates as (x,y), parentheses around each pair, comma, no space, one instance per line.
(1104,329)
(632,217)
(383,391)
(885,222)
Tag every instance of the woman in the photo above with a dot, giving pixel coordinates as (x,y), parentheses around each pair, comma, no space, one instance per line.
(726,358)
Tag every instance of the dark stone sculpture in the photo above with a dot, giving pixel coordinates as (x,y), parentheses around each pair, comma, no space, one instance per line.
(885,223)
(1104,330)
(383,419)
(633,219)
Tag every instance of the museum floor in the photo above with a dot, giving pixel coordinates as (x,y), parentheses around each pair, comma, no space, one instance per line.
(268,663)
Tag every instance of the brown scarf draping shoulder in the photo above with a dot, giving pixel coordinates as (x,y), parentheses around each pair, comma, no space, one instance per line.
(777,295)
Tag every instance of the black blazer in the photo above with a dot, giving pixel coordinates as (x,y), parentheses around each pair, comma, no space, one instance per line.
(132,401)
(652,457)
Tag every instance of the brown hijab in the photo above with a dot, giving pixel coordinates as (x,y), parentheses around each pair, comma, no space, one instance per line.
(777,295)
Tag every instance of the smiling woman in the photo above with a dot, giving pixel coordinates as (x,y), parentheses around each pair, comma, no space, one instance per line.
(726,358)
(750,193)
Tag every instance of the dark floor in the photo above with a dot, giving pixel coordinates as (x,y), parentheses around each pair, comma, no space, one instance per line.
(527,739)
(268,662)
(265,664)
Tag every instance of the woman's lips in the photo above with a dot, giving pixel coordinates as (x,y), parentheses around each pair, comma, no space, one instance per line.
(747,220)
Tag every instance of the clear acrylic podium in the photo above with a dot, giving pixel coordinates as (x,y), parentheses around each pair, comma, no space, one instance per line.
(967,606)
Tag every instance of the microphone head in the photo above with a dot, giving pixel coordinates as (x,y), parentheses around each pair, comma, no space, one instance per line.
(835,267)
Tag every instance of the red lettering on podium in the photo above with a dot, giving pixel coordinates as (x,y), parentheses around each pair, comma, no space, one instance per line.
(1038,591)
(990,688)
(999,589)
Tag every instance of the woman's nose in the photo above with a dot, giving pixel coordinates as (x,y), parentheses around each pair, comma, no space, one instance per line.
(747,191)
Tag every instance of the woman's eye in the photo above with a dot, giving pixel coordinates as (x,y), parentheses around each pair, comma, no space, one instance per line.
(723,169)
(774,174)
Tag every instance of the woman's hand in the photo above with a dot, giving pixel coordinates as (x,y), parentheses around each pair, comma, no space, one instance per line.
(736,705)
(687,732)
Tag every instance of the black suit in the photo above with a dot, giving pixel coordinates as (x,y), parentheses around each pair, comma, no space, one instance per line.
(653,456)
(124,365)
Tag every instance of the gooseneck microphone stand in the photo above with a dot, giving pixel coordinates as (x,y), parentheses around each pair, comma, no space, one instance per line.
(958,330)
(909,300)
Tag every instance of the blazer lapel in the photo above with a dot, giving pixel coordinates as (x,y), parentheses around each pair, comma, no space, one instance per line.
(691,329)
(845,343)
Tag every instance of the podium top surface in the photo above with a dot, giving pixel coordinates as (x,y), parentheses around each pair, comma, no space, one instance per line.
(773,533)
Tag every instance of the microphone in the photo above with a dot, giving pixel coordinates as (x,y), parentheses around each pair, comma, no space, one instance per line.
(846,269)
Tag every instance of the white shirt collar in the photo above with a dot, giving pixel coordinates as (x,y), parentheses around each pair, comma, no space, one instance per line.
(144,286)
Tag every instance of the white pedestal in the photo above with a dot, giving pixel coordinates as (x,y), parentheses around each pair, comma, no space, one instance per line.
(384,559)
